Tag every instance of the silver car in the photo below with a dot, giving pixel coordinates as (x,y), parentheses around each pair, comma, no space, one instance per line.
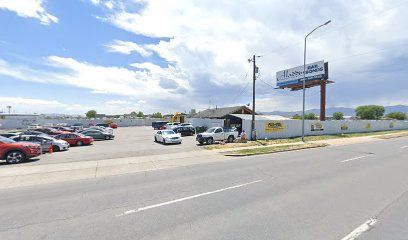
(46,142)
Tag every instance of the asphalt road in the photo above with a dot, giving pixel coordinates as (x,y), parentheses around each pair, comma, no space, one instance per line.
(324,193)
(128,142)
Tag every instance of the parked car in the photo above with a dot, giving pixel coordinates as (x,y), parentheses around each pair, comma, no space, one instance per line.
(62,128)
(34,126)
(217,134)
(77,126)
(102,125)
(113,125)
(167,136)
(75,139)
(8,135)
(156,125)
(28,132)
(170,125)
(44,141)
(102,129)
(96,134)
(185,124)
(14,152)
(51,131)
(185,130)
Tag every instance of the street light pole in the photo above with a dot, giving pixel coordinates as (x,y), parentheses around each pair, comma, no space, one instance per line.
(304,78)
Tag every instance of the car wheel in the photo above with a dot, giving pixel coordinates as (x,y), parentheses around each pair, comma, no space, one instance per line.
(210,140)
(164,141)
(107,137)
(15,157)
(79,143)
(230,139)
(201,143)
(55,148)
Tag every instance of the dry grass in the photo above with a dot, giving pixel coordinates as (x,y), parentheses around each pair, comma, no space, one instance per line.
(272,149)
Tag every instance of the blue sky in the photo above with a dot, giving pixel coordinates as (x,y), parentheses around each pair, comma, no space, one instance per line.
(118,56)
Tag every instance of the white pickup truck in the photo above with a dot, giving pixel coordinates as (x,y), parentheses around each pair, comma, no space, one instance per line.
(217,134)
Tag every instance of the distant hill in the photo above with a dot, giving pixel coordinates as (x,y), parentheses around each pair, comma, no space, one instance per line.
(344,110)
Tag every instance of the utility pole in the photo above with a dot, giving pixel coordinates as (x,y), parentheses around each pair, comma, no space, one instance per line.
(255,71)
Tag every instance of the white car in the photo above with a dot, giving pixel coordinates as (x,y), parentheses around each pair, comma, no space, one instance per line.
(167,136)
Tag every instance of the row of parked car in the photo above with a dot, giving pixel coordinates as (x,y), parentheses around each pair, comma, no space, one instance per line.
(172,133)
(18,146)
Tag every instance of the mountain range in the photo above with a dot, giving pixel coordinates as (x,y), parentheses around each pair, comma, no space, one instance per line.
(346,111)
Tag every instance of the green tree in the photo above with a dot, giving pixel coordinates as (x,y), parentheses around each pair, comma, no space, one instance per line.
(296,116)
(310,116)
(133,114)
(338,116)
(397,115)
(91,114)
(370,112)
(140,114)
(157,115)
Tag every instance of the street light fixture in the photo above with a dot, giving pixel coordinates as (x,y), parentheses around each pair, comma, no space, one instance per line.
(304,79)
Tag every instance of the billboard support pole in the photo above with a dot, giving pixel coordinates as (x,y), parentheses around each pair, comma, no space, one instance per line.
(304,90)
(323,100)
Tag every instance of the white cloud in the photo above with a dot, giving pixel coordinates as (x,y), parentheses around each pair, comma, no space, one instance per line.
(33,105)
(29,9)
(141,86)
(126,47)
(210,41)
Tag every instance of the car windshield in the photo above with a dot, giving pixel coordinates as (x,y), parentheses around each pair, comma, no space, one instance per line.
(211,130)
(168,132)
(6,140)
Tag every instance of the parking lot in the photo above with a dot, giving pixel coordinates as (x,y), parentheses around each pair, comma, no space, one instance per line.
(128,142)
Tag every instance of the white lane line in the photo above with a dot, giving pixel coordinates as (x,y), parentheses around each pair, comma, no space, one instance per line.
(186,198)
(404,147)
(361,229)
(355,158)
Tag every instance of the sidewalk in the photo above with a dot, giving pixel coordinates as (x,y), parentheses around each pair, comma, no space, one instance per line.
(18,175)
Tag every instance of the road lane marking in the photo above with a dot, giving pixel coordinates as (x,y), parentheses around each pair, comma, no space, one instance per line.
(186,198)
(361,229)
(404,147)
(355,158)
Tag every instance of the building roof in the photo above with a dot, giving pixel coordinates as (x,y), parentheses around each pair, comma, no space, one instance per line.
(260,117)
(222,112)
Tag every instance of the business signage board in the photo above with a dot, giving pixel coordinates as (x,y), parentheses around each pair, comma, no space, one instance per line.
(275,126)
(314,71)
(316,127)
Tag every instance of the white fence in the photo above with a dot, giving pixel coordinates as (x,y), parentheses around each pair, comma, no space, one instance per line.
(22,123)
(293,128)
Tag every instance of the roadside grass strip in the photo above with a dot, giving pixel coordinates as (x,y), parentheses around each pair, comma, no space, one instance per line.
(379,134)
(273,149)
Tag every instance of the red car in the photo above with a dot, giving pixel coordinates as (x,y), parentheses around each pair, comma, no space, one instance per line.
(15,152)
(113,125)
(75,139)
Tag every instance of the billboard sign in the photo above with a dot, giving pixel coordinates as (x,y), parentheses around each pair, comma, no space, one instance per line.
(314,71)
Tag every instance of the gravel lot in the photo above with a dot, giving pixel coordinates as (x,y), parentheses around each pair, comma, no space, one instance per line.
(128,142)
